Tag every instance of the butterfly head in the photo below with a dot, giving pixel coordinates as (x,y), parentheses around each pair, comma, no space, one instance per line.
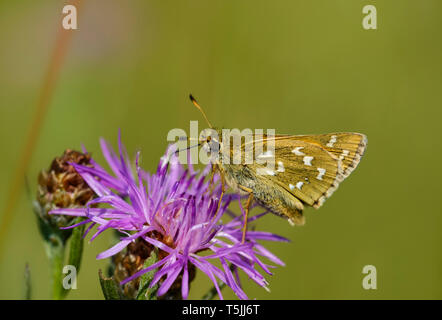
(210,138)
(210,142)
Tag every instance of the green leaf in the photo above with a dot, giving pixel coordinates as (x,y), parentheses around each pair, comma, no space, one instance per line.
(75,248)
(144,292)
(76,245)
(111,289)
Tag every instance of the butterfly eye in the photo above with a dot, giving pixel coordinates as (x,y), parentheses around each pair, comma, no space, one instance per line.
(214,146)
(206,147)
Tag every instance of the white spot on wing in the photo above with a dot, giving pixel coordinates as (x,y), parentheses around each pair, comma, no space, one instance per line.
(321,173)
(291,186)
(332,141)
(299,185)
(280,167)
(266,155)
(344,154)
(308,160)
(297,152)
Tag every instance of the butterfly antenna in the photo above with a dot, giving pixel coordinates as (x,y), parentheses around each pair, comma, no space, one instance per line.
(200,109)
(170,154)
(188,148)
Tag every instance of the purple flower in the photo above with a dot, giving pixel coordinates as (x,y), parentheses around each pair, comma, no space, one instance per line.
(175,210)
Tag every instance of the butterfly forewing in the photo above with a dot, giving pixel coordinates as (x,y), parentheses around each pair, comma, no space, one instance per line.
(348,147)
(311,167)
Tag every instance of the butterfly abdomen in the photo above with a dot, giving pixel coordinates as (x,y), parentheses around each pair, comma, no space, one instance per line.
(275,199)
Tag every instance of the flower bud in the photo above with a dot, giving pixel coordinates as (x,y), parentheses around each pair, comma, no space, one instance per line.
(62,187)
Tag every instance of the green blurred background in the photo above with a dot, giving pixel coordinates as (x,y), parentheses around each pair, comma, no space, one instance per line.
(297,66)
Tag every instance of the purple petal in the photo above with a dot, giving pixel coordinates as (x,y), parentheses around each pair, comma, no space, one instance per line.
(169,281)
(114,250)
(185,282)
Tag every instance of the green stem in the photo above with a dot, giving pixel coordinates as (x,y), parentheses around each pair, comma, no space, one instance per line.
(55,250)
(28,287)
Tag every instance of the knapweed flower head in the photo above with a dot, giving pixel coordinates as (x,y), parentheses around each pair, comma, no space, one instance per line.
(176,211)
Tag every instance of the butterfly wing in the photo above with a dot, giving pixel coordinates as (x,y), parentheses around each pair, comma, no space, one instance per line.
(348,147)
(311,167)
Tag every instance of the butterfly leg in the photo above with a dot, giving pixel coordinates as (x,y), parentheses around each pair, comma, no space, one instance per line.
(247,208)
(212,180)
(223,189)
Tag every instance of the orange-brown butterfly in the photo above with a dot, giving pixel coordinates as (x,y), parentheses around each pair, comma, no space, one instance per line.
(307,169)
